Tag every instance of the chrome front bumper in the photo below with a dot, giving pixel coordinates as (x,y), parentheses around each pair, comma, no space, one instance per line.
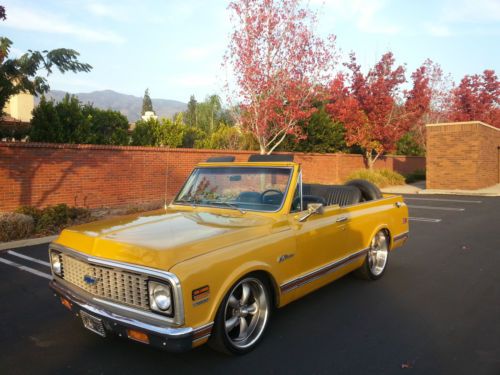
(169,338)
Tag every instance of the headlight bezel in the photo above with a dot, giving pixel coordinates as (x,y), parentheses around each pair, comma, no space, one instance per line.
(153,286)
(55,259)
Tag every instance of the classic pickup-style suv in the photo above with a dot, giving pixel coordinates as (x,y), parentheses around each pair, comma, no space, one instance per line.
(239,239)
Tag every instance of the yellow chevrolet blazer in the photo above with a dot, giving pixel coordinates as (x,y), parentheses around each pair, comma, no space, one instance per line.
(239,240)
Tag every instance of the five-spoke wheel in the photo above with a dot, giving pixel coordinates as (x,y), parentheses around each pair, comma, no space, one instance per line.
(376,260)
(242,317)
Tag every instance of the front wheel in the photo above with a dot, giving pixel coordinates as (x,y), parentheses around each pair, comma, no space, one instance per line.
(376,259)
(242,317)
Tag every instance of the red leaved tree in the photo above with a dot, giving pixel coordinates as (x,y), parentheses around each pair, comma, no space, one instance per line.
(279,66)
(368,106)
(375,111)
(477,97)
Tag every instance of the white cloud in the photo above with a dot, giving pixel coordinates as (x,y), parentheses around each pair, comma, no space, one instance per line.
(194,53)
(197,53)
(466,11)
(365,14)
(28,19)
(438,30)
(117,12)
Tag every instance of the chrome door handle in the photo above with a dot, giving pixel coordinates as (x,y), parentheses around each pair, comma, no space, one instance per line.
(342,219)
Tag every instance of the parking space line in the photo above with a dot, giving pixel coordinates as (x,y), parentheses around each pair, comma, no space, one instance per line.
(438,208)
(441,200)
(426,219)
(27,269)
(28,258)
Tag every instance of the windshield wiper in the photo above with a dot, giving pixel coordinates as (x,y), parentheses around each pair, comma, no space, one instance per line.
(230,205)
(190,200)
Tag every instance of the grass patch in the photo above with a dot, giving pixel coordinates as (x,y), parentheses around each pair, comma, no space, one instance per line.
(418,175)
(379,177)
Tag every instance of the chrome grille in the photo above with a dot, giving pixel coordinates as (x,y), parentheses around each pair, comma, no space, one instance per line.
(119,286)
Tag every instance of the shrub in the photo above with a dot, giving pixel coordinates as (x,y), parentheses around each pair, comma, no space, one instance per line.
(379,177)
(14,226)
(54,218)
(417,175)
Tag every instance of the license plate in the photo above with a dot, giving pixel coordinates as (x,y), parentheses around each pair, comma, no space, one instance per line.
(93,323)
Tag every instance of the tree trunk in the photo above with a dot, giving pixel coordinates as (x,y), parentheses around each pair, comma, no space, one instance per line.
(369,160)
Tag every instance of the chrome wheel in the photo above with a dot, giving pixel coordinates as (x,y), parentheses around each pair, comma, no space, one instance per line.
(246,313)
(378,253)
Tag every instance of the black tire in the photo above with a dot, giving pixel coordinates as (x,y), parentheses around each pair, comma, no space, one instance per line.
(223,339)
(369,191)
(371,269)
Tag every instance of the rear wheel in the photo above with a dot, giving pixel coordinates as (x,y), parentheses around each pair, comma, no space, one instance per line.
(376,259)
(242,317)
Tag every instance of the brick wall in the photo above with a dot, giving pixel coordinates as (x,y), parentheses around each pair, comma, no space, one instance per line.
(462,155)
(110,176)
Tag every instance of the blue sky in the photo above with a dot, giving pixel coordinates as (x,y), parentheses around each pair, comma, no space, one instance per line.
(175,47)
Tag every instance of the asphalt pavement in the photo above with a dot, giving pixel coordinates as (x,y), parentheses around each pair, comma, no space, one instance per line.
(435,311)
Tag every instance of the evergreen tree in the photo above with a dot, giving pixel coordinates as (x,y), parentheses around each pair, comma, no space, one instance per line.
(147,104)
(190,114)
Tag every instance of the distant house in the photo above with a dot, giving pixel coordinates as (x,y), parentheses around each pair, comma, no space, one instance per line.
(20,107)
(148,115)
(17,115)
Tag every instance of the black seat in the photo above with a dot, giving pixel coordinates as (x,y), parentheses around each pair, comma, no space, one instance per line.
(334,194)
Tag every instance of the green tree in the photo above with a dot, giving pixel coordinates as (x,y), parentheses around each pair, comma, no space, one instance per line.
(322,134)
(106,126)
(45,125)
(228,137)
(207,115)
(21,74)
(192,137)
(190,114)
(153,132)
(147,104)
(75,126)
(408,145)
(70,122)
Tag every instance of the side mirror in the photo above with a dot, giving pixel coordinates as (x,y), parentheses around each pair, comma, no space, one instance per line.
(313,209)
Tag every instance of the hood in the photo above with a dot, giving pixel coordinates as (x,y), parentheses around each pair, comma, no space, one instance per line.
(161,239)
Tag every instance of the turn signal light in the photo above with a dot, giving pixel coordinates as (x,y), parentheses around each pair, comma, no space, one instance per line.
(66,303)
(137,336)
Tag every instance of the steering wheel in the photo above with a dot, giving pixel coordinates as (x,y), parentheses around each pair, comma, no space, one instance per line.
(277,192)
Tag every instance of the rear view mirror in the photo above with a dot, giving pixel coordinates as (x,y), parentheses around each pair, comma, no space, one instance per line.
(235,178)
(313,209)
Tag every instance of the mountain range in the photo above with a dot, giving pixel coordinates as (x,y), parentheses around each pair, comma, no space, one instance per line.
(128,105)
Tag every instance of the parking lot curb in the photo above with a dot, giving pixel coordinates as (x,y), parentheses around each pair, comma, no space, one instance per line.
(459,192)
(28,242)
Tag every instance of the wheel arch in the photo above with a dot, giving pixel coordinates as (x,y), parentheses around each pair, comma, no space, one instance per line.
(385,228)
(256,269)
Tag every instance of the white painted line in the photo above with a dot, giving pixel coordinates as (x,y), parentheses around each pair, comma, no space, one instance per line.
(28,258)
(426,219)
(22,243)
(27,269)
(438,208)
(441,200)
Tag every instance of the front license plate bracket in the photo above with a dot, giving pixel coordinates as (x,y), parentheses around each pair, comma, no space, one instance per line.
(93,323)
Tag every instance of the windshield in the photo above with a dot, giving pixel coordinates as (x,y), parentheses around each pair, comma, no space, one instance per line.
(241,188)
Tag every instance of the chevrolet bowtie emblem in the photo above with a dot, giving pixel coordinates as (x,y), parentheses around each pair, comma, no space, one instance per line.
(90,280)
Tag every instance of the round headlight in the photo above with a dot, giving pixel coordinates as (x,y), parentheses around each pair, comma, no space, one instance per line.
(55,260)
(161,297)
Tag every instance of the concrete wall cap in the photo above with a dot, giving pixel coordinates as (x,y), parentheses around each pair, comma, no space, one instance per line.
(462,123)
